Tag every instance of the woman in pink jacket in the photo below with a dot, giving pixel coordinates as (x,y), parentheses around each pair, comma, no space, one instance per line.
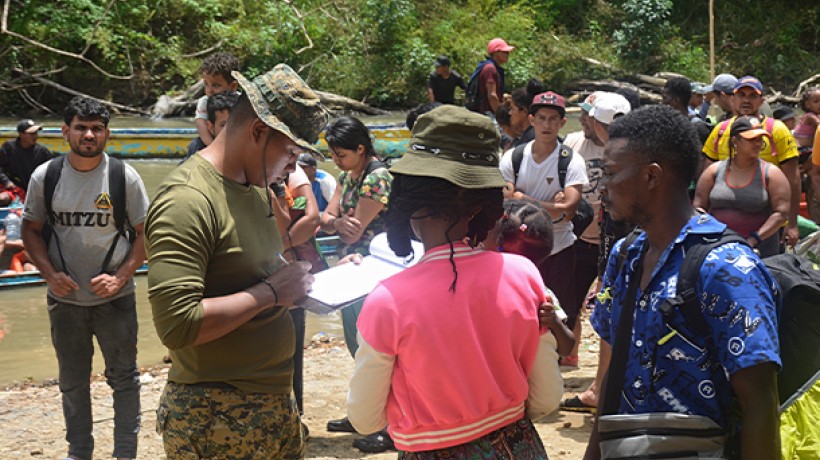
(450,355)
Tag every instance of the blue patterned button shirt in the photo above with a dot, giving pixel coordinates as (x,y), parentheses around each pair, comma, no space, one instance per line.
(669,368)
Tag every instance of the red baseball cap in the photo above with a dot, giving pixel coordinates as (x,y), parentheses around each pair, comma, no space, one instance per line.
(498,44)
(551,100)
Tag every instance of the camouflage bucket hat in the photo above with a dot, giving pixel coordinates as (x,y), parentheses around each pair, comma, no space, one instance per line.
(287,104)
(454,144)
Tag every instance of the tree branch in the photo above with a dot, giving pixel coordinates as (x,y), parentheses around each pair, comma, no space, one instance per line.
(90,39)
(205,51)
(114,105)
(33,102)
(4,29)
(302,26)
(804,83)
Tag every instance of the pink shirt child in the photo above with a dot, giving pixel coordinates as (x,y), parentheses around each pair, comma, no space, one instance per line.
(443,368)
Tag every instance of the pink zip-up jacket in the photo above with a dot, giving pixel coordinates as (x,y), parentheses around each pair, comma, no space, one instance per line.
(443,368)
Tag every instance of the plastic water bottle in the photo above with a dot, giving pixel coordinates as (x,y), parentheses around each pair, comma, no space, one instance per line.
(13,222)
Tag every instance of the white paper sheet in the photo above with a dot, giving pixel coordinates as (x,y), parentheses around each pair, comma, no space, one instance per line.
(339,286)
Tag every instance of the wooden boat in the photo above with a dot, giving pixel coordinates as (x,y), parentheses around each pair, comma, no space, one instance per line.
(32,278)
(390,141)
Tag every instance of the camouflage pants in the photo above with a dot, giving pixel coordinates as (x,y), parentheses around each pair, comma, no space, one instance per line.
(199,422)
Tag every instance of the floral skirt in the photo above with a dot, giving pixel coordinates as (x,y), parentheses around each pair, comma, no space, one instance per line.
(516,441)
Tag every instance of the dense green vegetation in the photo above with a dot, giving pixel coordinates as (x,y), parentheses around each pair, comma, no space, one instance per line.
(381,51)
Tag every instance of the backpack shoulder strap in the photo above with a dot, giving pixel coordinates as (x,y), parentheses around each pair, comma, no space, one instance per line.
(768,125)
(722,127)
(687,299)
(563,164)
(116,188)
(624,250)
(53,172)
(517,158)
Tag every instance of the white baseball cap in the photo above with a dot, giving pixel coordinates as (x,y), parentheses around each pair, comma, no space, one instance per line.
(608,106)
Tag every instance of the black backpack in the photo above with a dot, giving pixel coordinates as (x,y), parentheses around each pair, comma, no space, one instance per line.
(472,101)
(116,180)
(584,213)
(799,322)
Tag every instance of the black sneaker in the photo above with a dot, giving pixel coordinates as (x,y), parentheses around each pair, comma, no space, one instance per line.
(375,443)
(341,425)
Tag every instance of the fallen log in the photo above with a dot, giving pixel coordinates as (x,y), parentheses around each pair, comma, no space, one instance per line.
(337,102)
(590,86)
(174,106)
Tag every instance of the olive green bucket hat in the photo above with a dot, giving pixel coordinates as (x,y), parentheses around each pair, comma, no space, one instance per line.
(454,144)
(287,104)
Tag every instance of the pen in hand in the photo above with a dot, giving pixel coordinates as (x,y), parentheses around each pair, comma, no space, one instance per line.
(282,259)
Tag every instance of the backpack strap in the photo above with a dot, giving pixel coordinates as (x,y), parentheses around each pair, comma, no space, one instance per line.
(624,250)
(53,172)
(563,164)
(686,299)
(616,373)
(116,190)
(722,127)
(517,158)
(768,125)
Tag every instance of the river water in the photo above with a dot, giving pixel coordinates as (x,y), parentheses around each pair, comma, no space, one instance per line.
(25,341)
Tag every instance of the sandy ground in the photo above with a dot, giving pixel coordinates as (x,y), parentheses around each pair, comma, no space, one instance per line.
(31,421)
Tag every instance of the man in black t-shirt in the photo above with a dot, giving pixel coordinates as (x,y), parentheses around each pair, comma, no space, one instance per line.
(441,86)
(18,159)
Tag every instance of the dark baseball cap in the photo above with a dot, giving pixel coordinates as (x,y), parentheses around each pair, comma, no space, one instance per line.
(748,128)
(28,126)
(306,159)
(442,61)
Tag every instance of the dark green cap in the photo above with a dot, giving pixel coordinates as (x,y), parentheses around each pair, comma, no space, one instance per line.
(287,104)
(454,144)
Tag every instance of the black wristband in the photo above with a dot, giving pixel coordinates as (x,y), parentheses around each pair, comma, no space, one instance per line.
(756,236)
(275,295)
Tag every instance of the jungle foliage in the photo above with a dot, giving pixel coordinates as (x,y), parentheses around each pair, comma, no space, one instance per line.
(381,51)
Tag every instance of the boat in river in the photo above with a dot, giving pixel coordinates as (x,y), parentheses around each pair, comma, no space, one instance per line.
(389,140)
(327,246)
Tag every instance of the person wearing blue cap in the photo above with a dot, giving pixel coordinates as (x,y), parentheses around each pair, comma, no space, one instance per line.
(780,151)
(720,91)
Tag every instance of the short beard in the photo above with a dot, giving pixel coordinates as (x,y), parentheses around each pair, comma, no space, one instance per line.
(86,154)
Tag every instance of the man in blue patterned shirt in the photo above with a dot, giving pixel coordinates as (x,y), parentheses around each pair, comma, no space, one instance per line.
(647,165)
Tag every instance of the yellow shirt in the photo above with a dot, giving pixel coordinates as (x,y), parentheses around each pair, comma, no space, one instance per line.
(815,152)
(783,140)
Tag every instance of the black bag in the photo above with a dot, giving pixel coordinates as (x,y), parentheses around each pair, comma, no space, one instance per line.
(584,214)
(471,99)
(799,327)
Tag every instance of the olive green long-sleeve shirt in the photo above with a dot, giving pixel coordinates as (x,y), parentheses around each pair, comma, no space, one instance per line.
(208,236)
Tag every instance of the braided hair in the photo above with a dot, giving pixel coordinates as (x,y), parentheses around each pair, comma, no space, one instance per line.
(441,199)
(525,229)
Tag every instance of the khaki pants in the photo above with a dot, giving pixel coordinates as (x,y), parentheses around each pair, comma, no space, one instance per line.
(200,421)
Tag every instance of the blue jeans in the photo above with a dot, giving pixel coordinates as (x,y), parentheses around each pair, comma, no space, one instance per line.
(115,326)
